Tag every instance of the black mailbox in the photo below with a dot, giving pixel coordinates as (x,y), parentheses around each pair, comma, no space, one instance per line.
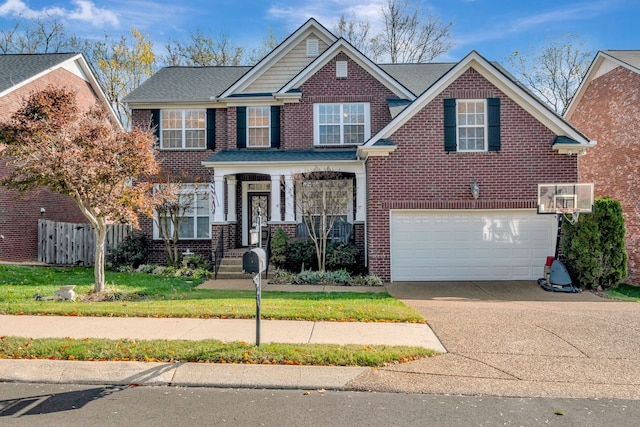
(254,261)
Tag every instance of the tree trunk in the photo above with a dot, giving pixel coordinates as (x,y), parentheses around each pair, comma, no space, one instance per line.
(98,268)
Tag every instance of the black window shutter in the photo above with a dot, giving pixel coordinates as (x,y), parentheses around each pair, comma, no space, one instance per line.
(493,122)
(241,122)
(275,126)
(155,124)
(450,134)
(211,129)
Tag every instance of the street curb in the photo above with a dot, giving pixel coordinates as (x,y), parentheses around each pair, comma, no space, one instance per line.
(178,374)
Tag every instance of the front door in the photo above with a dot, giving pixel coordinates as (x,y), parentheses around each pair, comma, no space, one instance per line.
(261,201)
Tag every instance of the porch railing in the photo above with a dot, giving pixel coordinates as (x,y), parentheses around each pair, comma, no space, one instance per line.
(218,254)
(341,231)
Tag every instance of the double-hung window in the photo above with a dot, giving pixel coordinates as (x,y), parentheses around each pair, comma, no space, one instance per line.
(190,212)
(258,126)
(324,199)
(472,124)
(183,129)
(341,124)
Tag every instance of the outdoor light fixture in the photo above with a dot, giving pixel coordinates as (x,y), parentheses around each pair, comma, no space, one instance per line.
(475,190)
(42,210)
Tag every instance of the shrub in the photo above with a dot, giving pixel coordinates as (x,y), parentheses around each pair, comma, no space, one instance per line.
(310,276)
(195,261)
(130,252)
(339,276)
(594,246)
(342,256)
(301,254)
(279,244)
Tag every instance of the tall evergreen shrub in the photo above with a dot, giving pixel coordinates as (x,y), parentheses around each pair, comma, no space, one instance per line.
(594,247)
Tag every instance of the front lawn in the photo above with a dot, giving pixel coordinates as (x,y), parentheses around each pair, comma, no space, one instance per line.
(146,295)
(626,292)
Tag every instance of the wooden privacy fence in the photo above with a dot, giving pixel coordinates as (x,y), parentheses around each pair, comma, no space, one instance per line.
(73,244)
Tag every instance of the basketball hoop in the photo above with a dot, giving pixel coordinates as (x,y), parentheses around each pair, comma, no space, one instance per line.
(570,215)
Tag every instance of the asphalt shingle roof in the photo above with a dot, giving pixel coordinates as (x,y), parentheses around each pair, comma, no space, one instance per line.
(417,77)
(176,84)
(288,156)
(15,69)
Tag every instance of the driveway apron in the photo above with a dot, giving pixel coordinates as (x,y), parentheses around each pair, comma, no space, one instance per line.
(515,339)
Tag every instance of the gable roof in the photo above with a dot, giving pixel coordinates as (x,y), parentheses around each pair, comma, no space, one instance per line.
(605,61)
(311,26)
(341,45)
(497,77)
(18,70)
(417,77)
(186,84)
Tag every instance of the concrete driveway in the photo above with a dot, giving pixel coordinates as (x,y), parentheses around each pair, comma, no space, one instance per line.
(515,339)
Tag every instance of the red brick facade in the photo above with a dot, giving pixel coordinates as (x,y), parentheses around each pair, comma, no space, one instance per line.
(609,113)
(19,213)
(421,175)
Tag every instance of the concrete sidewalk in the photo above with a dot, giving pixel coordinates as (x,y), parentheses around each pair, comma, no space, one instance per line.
(198,374)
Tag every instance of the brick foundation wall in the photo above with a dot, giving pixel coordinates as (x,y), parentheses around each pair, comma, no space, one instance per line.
(421,175)
(609,112)
(19,212)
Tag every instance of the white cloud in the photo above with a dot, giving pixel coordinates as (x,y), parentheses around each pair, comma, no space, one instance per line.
(84,11)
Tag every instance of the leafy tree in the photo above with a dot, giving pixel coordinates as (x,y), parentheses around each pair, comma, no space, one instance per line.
(594,246)
(409,36)
(203,50)
(52,144)
(120,66)
(553,71)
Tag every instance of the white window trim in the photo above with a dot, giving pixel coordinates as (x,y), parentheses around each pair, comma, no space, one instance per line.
(347,186)
(186,189)
(183,129)
(484,127)
(268,127)
(316,123)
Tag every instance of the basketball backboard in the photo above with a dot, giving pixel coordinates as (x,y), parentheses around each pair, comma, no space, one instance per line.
(565,198)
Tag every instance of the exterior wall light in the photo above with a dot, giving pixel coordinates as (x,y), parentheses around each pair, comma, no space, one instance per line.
(475,190)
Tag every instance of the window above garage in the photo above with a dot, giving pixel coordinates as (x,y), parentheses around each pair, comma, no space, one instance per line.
(472,125)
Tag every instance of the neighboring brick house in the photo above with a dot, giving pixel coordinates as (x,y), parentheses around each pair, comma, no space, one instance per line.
(20,76)
(316,103)
(606,108)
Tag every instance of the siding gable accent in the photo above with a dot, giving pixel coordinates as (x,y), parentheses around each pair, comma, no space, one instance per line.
(450,134)
(241,127)
(211,129)
(275,126)
(493,122)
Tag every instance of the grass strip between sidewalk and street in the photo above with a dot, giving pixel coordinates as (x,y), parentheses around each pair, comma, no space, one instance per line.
(207,351)
(146,295)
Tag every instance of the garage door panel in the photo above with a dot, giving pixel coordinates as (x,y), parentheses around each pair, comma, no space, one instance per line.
(469,245)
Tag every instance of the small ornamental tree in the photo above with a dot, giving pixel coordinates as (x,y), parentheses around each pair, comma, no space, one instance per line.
(321,199)
(594,247)
(51,143)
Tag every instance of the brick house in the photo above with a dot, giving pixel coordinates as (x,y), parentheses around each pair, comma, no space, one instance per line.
(396,135)
(20,76)
(606,107)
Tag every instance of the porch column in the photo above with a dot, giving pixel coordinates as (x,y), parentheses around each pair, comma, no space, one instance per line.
(361,196)
(276,215)
(231,198)
(218,198)
(289,205)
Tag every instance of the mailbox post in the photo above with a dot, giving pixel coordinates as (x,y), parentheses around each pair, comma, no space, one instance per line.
(255,261)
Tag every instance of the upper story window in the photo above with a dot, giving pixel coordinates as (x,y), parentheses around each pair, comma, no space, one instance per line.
(183,129)
(472,124)
(258,126)
(341,124)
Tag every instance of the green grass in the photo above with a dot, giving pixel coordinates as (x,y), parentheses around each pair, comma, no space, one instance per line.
(625,292)
(145,295)
(211,351)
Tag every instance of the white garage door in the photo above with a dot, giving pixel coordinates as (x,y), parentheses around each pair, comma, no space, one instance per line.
(470,245)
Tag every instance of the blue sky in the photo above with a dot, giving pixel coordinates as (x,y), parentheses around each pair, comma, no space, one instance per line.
(494,28)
